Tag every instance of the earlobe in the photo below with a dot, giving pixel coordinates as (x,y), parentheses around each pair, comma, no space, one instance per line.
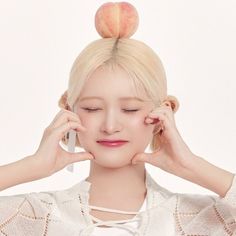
(62,103)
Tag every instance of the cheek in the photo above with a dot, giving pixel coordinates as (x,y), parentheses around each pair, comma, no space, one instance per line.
(142,132)
(88,120)
(90,123)
(138,124)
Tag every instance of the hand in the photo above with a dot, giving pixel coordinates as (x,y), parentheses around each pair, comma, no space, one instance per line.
(50,156)
(173,154)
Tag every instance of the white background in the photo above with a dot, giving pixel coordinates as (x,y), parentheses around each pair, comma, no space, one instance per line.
(39,41)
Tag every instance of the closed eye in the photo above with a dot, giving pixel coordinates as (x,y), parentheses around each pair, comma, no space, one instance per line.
(130,110)
(90,109)
(96,109)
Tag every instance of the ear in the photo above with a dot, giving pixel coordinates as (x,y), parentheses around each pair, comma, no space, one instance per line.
(62,103)
(173,102)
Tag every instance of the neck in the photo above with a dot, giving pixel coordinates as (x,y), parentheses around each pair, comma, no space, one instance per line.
(127,181)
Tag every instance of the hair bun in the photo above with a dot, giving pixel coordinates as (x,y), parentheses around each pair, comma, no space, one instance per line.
(116,20)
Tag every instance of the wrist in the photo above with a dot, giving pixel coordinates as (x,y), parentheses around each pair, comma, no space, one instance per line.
(186,169)
(36,167)
(209,176)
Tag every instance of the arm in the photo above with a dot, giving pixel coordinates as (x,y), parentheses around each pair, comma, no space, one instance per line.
(21,171)
(50,156)
(174,156)
(216,215)
(207,175)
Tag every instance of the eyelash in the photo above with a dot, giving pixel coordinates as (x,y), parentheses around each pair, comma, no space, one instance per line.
(93,110)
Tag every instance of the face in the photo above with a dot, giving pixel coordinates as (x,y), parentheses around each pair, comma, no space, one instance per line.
(111,115)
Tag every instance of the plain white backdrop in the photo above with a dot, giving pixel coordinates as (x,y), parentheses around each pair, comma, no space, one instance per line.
(39,41)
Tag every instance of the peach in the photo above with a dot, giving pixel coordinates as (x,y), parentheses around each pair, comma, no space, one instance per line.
(116,19)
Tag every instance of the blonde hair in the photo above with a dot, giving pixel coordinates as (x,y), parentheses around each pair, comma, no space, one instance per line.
(136,58)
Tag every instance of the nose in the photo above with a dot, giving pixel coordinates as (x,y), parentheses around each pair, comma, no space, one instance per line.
(111,123)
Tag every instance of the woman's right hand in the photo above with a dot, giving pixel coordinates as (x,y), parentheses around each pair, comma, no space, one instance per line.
(50,156)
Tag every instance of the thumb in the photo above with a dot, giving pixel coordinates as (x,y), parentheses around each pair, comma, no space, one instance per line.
(142,157)
(80,156)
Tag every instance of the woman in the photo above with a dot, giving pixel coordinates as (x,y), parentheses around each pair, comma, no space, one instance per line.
(117,103)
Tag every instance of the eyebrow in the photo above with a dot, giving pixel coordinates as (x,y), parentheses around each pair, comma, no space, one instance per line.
(122,98)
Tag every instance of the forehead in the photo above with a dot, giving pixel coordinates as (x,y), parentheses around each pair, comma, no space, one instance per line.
(115,83)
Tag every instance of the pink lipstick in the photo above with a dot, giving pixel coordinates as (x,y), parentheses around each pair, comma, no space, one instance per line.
(112,143)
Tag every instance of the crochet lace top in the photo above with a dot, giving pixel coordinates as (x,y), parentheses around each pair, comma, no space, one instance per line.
(165,213)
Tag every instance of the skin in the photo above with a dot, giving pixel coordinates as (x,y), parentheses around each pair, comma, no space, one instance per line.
(118,175)
(112,174)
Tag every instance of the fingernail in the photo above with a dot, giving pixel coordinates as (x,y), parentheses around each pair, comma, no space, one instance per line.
(148,120)
(81,128)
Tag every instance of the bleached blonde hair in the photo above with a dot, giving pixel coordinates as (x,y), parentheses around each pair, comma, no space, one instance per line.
(135,57)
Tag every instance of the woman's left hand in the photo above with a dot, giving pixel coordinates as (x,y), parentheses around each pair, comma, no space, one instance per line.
(174,155)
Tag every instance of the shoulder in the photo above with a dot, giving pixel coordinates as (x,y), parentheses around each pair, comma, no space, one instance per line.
(182,201)
(39,201)
(196,201)
(38,209)
(45,197)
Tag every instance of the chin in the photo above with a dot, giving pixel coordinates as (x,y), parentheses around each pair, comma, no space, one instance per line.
(111,164)
(111,160)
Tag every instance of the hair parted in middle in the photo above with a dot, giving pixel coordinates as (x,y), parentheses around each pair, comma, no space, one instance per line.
(136,58)
(117,49)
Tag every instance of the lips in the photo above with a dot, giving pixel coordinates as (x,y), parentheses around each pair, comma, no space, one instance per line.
(112,143)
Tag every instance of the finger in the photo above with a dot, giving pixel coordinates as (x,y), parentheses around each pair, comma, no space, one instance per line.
(153,117)
(61,112)
(165,124)
(167,109)
(81,156)
(150,120)
(62,130)
(143,157)
(70,113)
(64,118)
(58,115)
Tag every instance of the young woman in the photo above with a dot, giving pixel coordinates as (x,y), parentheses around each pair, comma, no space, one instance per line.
(117,103)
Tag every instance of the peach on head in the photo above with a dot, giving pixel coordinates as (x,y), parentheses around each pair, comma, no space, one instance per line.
(116,19)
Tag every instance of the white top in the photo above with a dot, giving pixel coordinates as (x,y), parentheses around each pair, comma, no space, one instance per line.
(66,212)
(115,230)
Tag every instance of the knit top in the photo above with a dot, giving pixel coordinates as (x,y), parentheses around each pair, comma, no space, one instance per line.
(66,212)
